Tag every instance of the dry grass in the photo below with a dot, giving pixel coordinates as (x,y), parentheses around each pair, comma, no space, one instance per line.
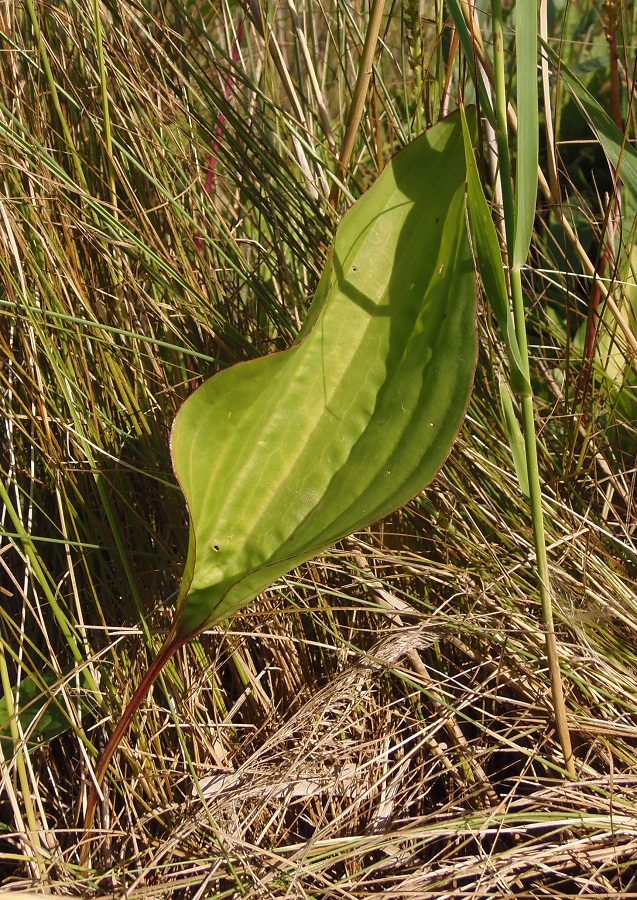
(380,723)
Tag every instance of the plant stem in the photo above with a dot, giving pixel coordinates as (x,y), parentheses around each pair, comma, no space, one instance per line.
(46,65)
(168,650)
(546,599)
(527,401)
(501,132)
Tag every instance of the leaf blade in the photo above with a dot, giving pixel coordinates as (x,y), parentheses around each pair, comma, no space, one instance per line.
(282,456)
(515,437)
(528,134)
(490,264)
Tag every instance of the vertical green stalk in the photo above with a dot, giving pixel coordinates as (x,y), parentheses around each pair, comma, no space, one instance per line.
(501,132)
(413,16)
(519,212)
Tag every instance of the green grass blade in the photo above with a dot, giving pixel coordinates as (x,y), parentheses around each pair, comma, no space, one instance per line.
(515,437)
(528,135)
(486,106)
(620,153)
(487,248)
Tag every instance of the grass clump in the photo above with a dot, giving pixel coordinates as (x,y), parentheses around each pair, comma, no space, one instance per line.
(381,721)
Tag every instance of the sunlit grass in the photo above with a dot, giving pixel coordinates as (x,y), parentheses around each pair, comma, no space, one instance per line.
(380,721)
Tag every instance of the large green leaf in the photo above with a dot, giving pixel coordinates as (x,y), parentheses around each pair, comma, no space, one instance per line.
(282,456)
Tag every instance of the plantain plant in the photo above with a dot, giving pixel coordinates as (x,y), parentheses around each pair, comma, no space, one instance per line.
(282,456)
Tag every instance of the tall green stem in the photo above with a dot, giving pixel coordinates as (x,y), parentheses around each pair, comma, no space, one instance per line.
(46,65)
(501,132)
(546,599)
(528,405)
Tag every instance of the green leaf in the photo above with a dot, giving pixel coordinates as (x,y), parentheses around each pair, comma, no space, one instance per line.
(487,248)
(516,440)
(528,135)
(467,42)
(281,456)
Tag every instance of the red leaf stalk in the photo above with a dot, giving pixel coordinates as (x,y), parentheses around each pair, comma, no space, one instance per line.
(168,650)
